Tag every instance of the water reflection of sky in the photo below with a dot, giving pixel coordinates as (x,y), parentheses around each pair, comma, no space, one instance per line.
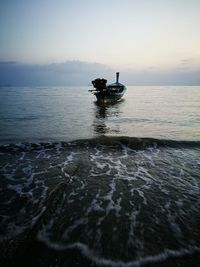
(33,114)
(105,114)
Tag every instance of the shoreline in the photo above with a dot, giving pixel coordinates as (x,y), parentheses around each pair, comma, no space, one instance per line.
(35,253)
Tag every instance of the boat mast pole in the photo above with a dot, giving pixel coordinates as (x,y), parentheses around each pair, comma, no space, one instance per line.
(117,77)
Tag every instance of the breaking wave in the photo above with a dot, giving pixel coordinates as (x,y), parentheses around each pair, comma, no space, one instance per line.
(121,201)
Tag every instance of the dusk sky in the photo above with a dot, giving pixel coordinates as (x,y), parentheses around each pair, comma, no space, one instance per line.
(156,37)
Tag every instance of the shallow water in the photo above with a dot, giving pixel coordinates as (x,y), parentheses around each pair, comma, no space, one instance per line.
(111,198)
(120,201)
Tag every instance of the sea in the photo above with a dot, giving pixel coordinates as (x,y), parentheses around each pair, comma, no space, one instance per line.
(115,185)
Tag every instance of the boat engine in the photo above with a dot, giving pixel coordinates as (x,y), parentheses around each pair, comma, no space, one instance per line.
(99,84)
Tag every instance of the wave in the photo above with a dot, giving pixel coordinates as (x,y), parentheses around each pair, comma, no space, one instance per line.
(83,194)
(119,141)
(138,262)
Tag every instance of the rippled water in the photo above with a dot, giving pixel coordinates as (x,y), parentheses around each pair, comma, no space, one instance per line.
(62,114)
(107,200)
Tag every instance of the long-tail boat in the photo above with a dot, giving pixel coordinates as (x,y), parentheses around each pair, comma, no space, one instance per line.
(108,93)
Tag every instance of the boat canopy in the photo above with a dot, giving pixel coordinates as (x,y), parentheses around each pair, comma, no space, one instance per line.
(100,84)
(115,85)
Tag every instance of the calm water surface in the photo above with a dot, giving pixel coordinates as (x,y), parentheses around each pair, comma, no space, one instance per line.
(69,113)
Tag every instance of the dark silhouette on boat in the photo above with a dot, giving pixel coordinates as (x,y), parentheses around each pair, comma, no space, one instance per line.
(108,93)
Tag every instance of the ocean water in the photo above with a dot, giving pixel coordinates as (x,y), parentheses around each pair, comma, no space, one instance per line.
(34,114)
(89,185)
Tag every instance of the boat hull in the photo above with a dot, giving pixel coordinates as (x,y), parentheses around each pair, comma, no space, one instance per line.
(108,93)
(106,97)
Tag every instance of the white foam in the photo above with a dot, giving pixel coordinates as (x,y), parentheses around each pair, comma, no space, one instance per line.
(22,156)
(101,165)
(174,226)
(35,218)
(141,194)
(95,206)
(78,222)
(101,261)
(17,188)
(83,185)
(58,148)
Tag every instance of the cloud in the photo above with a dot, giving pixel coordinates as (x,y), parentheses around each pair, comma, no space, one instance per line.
(186,60)
(80,73)
(155,77)
(189,64)
(67,73)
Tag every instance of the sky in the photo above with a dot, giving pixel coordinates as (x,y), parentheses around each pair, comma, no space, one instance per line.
(152,38)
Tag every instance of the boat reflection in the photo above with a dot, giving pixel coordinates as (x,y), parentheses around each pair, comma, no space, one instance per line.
(104,115)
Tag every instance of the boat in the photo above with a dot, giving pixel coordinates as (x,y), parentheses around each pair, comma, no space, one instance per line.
(108,93)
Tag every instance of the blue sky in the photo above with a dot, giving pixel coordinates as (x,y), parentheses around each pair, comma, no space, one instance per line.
(154,36)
